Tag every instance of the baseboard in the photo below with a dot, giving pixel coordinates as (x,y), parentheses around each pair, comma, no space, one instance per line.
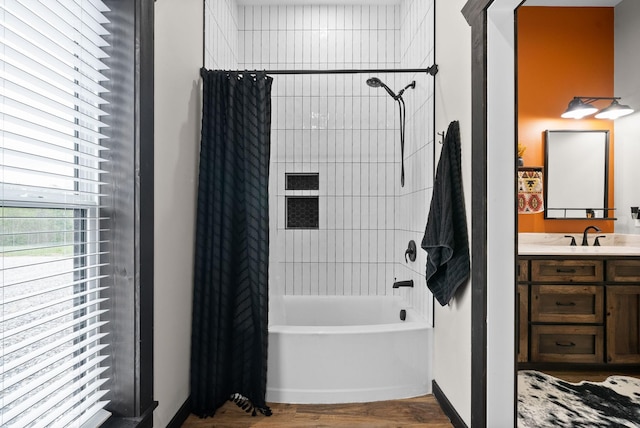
(143,421)
(181,415)
(446,406)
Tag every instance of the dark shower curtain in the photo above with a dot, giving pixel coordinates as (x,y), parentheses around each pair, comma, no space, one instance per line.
(230,294)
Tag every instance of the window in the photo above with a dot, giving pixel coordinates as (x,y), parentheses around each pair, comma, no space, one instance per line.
(52,187)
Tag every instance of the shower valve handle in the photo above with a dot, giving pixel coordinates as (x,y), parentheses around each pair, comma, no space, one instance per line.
(411,252)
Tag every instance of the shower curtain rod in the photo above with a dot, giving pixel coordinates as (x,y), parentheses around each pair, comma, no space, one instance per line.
(432,70)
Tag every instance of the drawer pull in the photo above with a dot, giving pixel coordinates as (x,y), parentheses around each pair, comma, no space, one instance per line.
(565,270)
(566,344)
(565,304)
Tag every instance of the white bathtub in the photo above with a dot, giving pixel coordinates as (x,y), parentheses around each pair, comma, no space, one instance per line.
(334,349)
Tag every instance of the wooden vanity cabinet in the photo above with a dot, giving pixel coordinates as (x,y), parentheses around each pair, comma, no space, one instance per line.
(567,343)
(623,312)
(563,270)
(579,310)
(567,304)
(566,311)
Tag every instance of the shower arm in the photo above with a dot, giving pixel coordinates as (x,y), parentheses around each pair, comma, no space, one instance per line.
(411,85)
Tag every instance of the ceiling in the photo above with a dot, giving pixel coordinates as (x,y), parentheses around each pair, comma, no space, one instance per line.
(316,2)
(576,3)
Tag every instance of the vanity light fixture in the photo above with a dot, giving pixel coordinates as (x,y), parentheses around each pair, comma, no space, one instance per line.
(614,111)
(580,107)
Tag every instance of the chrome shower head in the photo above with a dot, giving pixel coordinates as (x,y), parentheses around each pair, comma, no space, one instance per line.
(374,82)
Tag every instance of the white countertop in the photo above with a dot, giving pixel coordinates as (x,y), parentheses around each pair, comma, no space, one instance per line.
(554,250)
(555,244)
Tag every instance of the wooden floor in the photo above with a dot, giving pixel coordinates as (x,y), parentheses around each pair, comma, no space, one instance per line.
(413,412)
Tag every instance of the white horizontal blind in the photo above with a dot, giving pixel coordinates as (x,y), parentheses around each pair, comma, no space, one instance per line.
(51,184)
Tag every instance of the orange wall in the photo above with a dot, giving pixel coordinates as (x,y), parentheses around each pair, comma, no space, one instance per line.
(562,52)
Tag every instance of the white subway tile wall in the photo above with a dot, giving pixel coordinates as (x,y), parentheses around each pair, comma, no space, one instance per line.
(221,34)
(417,47)
(339,127)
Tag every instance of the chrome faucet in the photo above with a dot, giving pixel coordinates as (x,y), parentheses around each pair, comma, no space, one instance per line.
(586,232)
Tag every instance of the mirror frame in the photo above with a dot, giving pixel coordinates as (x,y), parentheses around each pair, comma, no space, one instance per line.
(570,212)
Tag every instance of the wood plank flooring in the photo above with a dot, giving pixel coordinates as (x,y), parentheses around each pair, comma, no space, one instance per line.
(408,413)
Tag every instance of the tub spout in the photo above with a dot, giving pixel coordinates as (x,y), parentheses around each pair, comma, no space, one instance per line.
(408,283)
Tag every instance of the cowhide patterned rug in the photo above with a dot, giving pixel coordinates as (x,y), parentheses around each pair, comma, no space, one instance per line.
(546,401)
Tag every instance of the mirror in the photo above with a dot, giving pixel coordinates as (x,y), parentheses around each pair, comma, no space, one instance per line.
(577,175)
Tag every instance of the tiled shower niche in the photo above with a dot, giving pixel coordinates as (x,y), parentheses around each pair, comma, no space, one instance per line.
(302,212)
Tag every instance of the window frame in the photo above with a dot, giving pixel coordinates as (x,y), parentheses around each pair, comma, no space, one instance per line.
(129,232)
(130,209)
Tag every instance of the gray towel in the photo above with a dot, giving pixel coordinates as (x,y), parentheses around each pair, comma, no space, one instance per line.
(446,238)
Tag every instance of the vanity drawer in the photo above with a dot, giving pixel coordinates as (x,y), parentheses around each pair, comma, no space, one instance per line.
(523,270)
(567,303)
(567,270)
(567,344)
(623,270)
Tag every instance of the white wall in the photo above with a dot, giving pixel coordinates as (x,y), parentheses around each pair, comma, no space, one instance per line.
(452,360)
(178,58)
(501,227)
(627,129)
(452,335)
